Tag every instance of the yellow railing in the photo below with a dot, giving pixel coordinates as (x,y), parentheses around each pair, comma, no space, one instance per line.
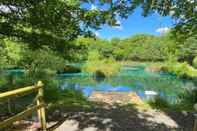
(195,122)
(39,105)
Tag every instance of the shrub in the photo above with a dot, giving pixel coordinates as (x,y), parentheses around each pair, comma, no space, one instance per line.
(96,63)
(42,63)
(188,98)
(159,103)
(70,69)
(182,70)
(99,74)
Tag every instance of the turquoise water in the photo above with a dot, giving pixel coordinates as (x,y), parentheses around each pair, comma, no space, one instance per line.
(131,78)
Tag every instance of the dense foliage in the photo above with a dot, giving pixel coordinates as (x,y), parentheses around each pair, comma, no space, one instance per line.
(140,47)
(42,22)
(195,62)
(99,66)
(41,36)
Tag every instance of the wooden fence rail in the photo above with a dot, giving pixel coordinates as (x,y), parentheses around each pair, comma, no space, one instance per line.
(39,107)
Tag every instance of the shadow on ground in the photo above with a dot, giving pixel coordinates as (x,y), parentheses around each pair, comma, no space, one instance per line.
(103,117)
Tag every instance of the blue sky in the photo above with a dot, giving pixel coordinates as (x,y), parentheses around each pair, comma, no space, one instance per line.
(135,24)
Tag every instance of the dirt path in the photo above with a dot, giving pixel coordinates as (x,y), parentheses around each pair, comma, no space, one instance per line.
(118,117)
(115,118)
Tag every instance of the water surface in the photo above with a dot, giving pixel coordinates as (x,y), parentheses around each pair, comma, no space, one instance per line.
(131,78)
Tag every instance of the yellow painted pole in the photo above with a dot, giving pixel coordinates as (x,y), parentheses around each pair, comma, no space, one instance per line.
(19,116)
(195,122)
(9,106)
(40,105)
(41,111)
(16,92)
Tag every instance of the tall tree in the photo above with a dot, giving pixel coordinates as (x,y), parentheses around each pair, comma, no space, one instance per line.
(55,22)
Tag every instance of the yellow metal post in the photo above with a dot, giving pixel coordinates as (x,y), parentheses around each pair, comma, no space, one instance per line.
(195,122)
(41,111)
(19,116)
(16,92)
(39,107)
(195,125)
(9,106)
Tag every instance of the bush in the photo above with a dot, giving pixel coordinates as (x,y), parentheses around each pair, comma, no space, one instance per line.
(182,70)
(96,63)
(42,63)
(188,97)
(195,62)
(70,69)
(159,103)
(99,74)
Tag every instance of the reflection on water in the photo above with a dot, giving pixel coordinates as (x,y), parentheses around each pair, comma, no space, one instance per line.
(130,79)
(134,79)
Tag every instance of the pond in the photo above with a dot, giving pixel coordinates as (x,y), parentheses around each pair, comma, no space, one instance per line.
(135,79)
(130,79)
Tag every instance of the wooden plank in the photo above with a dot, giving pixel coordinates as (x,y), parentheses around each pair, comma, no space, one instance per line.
(19,116)
(16,92)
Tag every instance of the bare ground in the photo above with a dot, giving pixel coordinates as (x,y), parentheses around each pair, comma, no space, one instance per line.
(125,118)
(105,116)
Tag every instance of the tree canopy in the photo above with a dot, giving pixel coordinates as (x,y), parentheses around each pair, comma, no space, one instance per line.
(54,23)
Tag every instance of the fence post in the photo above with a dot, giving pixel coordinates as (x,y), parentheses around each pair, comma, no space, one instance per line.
(41,111)
(9,106)
(195,121)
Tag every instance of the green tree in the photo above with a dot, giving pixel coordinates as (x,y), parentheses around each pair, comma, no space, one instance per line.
(42,63)
(45,22)
(188,49)
(52,23)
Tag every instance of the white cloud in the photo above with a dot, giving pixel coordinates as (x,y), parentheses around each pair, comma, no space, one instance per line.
(118,22)
(163,30)
(93,7)
(97,33)
(7,9)
(119,26)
